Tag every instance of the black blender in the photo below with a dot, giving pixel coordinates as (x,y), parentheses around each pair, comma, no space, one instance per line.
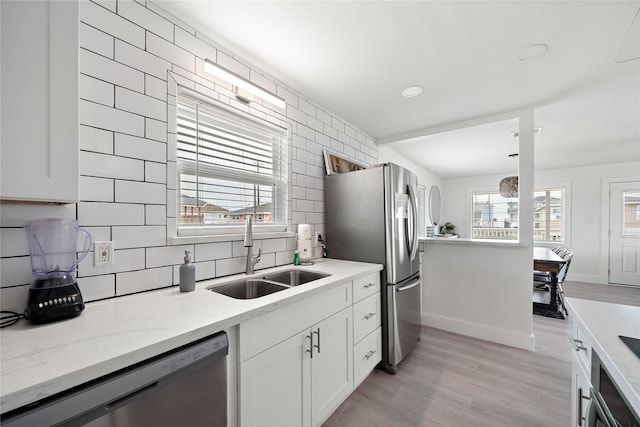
(54,293)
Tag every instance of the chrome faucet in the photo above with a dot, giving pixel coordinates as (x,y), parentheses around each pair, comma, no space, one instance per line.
(248,243)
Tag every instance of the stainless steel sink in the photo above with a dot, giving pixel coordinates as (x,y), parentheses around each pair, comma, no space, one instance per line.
(294,277)
(248,288)
(267,284)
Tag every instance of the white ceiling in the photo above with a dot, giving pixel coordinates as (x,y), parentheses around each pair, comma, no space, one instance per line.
(354,59)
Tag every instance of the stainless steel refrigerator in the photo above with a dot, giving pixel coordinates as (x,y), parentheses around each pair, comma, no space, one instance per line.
(371,215)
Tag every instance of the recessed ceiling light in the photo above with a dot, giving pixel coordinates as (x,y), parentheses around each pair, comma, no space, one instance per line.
(411,91)
(531,53)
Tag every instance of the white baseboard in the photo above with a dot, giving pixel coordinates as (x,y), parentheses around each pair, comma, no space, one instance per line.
(484,332)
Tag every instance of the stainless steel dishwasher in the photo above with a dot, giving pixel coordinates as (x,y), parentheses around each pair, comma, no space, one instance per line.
(184,387)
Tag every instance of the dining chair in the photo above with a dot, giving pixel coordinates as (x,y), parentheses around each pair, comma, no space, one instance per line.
(543,282)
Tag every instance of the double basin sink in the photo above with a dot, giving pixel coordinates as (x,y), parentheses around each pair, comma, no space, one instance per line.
(268,284)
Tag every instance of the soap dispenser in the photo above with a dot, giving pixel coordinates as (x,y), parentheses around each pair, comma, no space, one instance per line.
(187,274)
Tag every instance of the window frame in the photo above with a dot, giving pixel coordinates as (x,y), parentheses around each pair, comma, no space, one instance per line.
(281,214)
(566,207)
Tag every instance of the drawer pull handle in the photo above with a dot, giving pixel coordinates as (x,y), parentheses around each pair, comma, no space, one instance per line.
(577,344)
(368,355)
(369,316)
(367,286)
(318,345)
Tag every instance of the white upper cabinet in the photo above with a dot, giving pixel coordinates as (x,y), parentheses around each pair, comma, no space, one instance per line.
(39,101)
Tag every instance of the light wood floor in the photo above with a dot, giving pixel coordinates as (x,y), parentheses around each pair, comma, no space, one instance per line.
(453,380)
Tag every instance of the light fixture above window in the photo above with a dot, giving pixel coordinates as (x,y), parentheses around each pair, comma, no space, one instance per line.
(242,83)
(509,185)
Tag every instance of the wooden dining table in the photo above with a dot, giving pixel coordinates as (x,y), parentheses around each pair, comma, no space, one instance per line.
(544,259)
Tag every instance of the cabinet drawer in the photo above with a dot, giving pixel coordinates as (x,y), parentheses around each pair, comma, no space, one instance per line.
(366,316)
(366,355)
(365,286)
(263,332)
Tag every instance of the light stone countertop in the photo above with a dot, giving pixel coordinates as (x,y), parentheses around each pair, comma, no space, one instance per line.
(604,322)
(40,360)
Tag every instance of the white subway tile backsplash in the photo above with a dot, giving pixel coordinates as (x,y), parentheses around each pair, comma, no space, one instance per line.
(140,148)
(155,172)
(212,251)
(232,64)
(172,53)
(143,280)
(156,130)
(106,166)
(94,139)
(110,71)
(239,250)
(139,236)
(96,90)
(125,260)
(107,118)
(283,258)
(274,245)
(140,104)
(194,45)
(107,21)
(97,234)
(140,192)
(226,267)
(141,60)
(315,124)
(15,271)
(97,287)
(96,41)
(167,255)
(96,189)
(14,298)
(155,215)
(13,242)
(204,270)
(155,87)
(309,109)
(15,215)
(145,18)
(105,214)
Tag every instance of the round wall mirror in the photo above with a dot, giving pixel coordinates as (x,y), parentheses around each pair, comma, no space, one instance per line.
(434,204)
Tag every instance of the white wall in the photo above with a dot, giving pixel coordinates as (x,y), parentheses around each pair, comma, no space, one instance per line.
(127,158)
(587,208)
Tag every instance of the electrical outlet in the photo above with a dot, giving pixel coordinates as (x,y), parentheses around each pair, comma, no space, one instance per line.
(103,255)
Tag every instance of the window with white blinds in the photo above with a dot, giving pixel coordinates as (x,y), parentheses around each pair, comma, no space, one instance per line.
(230,166)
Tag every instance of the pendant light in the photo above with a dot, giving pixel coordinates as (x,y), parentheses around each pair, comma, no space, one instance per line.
(509,185)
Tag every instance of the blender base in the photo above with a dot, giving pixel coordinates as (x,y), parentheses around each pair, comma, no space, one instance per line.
(53,299)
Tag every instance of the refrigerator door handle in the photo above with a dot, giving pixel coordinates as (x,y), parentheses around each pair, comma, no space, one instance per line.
(409,285)
(414,220)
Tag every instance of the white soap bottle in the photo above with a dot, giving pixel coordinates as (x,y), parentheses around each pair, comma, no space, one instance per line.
(187,274)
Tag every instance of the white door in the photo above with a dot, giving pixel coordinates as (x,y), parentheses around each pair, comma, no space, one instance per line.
(332,365)
(624,233)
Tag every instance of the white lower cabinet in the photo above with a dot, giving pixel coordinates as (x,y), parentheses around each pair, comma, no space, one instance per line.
(302,380)
(580,373)
(581,389)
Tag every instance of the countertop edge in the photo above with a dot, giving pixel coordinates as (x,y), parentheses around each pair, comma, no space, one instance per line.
(607,356)
(22,351)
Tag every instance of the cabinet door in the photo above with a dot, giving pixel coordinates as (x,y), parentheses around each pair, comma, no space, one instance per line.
(274,385)
(332,364)
(39,103)
(581,389)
